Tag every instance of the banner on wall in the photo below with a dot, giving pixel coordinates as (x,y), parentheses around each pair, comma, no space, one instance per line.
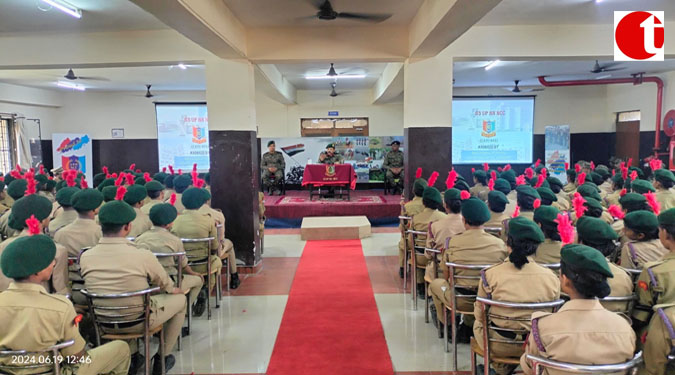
(366,154)
(183,135)
(557,151)
(73,152)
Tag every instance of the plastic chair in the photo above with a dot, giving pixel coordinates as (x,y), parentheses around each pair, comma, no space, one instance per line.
(179,281)
(539,364)
(51,352)
(108,318)
(486,318)
(413,259)
(198,260)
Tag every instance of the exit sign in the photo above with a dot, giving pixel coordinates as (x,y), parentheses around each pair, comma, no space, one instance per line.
(333,113)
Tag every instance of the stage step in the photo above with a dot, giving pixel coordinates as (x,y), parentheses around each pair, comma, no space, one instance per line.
(335,228)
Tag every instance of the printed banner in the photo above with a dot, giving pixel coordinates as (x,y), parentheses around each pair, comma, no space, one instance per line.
(73,152)
(183,136)
(557,151)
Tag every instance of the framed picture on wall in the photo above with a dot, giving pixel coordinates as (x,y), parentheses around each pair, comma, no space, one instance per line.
(117,133)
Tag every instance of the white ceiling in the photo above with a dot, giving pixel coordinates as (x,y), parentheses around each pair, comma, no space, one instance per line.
(473,73)
(571,12)
(97,15)
(113,79)
(296,73)
(269,13)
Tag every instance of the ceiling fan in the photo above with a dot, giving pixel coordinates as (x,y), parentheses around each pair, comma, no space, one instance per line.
(597,68)
(516,89)
(148,94)
(327,13)
(71,76)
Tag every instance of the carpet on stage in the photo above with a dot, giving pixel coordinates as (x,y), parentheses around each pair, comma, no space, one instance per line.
(296,204)
(331,324)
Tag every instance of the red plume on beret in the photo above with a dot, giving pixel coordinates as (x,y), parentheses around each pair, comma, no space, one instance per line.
(624,171)
(132,166)
(616,212)
(30,186)
(491,184)
(592,166)
(499,169)
(195,178)
(33,225)
(452,178)
(163,169)
(537,203)
(463,195)
(536,164)
(630,162)
(200,183)
(83,183)
(130,178)
(146,177)
(544,172)
(565,229)
(581,178)
(120,179)
(578,204)
(529,173)
(172,199)
(567,165)
(473,170)
(623,192)
(540,180)
(70,177)
(520,180)
(516,212)
(138,170)
(577,168)
(613,172)
(493,175)
(120,193)
(42,169)
(194,167)
(171,169)
(655,164)
(507,167)
(633,175)
(418,173)
(113,175)
(653,202)
(433,178)
(106,172)
(180,171)
(486,167)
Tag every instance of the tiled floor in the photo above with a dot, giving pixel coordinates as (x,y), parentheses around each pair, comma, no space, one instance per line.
(240,337)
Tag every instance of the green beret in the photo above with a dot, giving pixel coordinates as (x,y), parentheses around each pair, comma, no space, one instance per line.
(163,214)
(193,198)
(98,178)
(502,185)
(509,176)
(270,143)
(64,196)
(641,221)
(596,178)
(135,194)
(522,228)
(462,185)
(109,193)
(418,186)
(548,194)
(27,255)
(603,172)
(32,204)
(105,183)
(642,186)
(17,188)
(593,203)
(87,199)
(182,182)
(140,180)
(116,213)
(640,172)
(207,178)
(479,173)
(545,215)
(154,186)
(475,211)
(160,176)
(595,230)
(589,191)
(41,178)
(451,194)
(617,178)
(632,201)
(9,178)
(664,175)
(330,145)
(586,258)
(527,191)
(168,181)
(50,185)
(496,198)
(553,181)
(667,217)
(207,194)
(571,174)
(432,194)
(60,185)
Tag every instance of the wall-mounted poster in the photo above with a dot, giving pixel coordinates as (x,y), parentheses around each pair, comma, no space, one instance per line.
(183,135)
(557,150)
(73,151)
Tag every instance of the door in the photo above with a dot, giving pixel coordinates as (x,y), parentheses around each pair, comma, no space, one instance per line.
(628,140)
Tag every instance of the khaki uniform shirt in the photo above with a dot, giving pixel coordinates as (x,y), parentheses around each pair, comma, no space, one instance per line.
(527,214)
(167,194)
(66,217)
(636,254)
(160,240)
(79,234)
(479,191)
(473,246)
(497,219)
(666,198)
(195,224)
(621,285)
(613,198)
(3,208)
(569,188)
(564,200)
(5,229)
(659,343)
(422,222)
(655,286)
(7,201)
(141,223)
(147,206)
(442,230)
(413,207)
(582,332)
(561,204)
(34,320)
(606,187)
(548,252)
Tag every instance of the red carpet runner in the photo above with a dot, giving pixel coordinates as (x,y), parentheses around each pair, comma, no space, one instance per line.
(331,324)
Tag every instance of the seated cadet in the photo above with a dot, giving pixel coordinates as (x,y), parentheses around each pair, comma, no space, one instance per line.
(117,266)
(497,203)
(510,177)
(441,231)
(34,320)
(159,239)
(3,208)
(617,185)
(433,211)
(548,197)
(663,182)
(548,251)
(595,233)
(44,189)
(109,193)
(7,200)
(605,184)
(597,180)
(642,230)
(504,186)
(195,224)
(272,164)
(16,189)
(519,279)
(68,213)
(654,285)
(630,202)
(168,184)
(525,196)
(410,209)
(33,205)
(582,331)
(473,246)
(134,197)
(479,188)
(156,194)
(660,340)
(226,245)
(642,187)
(571,185)
(393,166)
(556,187)
(329,156)
(180,184)
(593,208)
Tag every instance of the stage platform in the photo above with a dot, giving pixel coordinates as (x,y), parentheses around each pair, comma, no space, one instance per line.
(335,228)
(296,204)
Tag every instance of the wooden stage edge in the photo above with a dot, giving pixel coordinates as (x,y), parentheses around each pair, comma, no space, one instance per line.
(335,228)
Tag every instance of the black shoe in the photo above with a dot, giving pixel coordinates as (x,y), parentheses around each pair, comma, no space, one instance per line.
(434,317)
(137,363)
(169,362)
(480,369)
(184,332)
(200,304)
(420,291)
(400,272)
(464,334)
(234,281)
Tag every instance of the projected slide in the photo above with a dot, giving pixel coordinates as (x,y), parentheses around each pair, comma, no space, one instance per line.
(492,130)
(183,136)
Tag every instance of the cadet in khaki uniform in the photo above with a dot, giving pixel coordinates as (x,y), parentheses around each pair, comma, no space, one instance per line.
(433,211)
(39,207)
(479,188)
(505,187)
(410,209)
(134,197)
(617,184)
(519,279)
(272,164)
(156,194)
(571,185)
(548,197)
(473,246)
(159,239)
(549,250)
(642,187)
(595,233)
(393,166)
(660,341)
(557,189)
(195,224)
(606,183)
(663,182)
(525,196)
(109,193)
(497,203)
(3,196)
(168,183)
(329,156)
(582,331)
(68,213)
(16,189)
(116,265)
(34,319)
(180,184)
(6,199)
(642,230)
(441,231)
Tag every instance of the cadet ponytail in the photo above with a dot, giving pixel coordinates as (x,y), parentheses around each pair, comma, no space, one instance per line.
(520,250)
(589,283)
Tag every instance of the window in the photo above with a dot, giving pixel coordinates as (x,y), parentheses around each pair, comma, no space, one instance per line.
(5,145)
(334,127)
(628,116)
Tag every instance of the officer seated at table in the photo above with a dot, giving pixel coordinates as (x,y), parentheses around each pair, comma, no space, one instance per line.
(329,156)
(273,166)
(393,167)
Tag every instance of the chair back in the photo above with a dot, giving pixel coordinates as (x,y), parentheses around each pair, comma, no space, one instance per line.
(220,230)
(495,231)
(463,278)
(539,364)
(620,304)
(418,238)
(634,273)
(18,361)
(178,256)
(197,249)
(551,266)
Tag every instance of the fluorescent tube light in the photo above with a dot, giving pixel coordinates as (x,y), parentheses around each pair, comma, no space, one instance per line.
(69,85)
(491,64)
(182,66)
(64,7)
(341,76)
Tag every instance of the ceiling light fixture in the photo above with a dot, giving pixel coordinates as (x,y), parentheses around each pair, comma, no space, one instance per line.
(69,85)
(341,76)
(182,66)
(64,7)
(491,64)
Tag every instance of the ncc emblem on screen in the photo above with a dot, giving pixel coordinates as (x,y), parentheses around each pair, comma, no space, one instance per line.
(198,134)
(488,129)
(639,36)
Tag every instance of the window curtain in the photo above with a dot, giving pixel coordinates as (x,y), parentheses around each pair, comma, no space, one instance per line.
(21,141)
